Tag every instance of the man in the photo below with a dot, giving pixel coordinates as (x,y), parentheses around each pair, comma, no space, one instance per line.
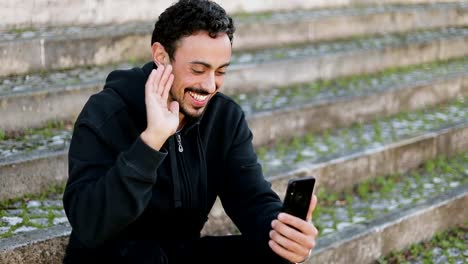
(152,151)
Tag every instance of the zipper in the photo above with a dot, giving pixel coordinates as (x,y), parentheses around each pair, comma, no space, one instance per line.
(183,177)
(177,180)
(179,142)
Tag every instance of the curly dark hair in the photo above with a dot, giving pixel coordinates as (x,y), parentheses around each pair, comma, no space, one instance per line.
(187,17)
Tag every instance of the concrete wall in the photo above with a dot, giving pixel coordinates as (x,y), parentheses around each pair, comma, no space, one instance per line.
(27,13)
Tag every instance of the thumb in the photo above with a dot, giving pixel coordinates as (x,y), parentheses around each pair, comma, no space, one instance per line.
(313,203)
(174,107)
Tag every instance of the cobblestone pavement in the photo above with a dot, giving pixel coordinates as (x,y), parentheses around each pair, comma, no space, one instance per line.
(27,215)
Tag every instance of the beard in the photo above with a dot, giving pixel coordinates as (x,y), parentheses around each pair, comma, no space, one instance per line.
(187,110)
(191,114)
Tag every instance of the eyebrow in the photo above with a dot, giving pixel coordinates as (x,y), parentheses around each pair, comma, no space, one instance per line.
(209,65)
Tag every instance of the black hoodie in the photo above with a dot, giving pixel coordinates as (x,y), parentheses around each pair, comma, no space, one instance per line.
(121,191)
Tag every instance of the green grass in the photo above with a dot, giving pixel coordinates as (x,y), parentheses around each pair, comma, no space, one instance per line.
(50,217)
(261,153)
(47,130)
(25,215)
(298,157)
(361,41)
(384,188)
(21,30)
(452,238)
(133,61)
(306,92)
(296,143)
(357,136)
(349,201)
(281,148)
(363,190)
(377,132)
(327,140)
(55,189)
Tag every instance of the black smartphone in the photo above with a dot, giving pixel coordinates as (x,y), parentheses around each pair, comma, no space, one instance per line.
(298,195)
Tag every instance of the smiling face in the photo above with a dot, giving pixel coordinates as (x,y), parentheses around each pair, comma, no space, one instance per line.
(199,65)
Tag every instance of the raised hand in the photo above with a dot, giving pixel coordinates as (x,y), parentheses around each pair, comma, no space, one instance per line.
(162,117)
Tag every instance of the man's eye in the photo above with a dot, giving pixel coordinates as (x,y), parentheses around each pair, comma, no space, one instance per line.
(221,73)
(197,72)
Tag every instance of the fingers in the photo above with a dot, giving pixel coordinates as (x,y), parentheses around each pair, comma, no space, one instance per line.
(149,88)
(161,83)
(154,78)
(282,252)
(167,87)
(295,229)
(160,80)
(287,244)
(313,204)
(292,238)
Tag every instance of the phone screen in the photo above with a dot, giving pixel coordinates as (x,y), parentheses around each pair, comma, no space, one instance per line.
(298,196)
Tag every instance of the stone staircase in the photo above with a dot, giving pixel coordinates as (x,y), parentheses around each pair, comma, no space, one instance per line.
(368,96)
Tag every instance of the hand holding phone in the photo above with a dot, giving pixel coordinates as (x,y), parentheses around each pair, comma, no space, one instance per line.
(298,196)
(297,202)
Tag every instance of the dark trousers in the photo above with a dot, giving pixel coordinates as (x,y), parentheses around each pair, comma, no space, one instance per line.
(207,250)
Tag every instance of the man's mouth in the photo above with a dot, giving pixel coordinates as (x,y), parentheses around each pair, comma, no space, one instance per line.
(197,96)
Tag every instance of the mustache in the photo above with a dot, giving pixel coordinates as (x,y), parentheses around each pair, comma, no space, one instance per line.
(197,90)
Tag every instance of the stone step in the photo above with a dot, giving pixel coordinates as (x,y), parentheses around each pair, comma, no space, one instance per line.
(280,112)
(253,71)
(366,242)
(450,246)
(301,26)
(18,14)
(369,211)
(389,145)
(292,111)
(31,100)
(336,212)
(43,49)
(43,246)
(32,162)
(32,212)
(352,155)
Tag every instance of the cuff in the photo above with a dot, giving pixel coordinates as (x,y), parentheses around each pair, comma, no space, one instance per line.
(144,159)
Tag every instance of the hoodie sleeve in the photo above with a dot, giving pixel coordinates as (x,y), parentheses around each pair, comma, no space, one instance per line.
(246,196)
(103,193)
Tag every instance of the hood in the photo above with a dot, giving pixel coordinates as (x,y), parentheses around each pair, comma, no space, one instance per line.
(130,86)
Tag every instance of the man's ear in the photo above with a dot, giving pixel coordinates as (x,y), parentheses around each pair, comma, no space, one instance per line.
(160,56)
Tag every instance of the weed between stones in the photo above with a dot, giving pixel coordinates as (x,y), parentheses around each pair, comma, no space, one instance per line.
(32,212)
(446,247)
(314,147)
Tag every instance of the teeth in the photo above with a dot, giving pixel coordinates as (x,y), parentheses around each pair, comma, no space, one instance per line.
(198,97)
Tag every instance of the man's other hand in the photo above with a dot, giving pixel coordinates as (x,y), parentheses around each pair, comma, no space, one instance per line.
(293,238)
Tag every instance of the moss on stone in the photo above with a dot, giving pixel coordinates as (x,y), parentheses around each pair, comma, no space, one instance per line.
(47,130)
(454,238)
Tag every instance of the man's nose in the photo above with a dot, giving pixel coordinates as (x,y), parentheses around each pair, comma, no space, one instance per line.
(209,84)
